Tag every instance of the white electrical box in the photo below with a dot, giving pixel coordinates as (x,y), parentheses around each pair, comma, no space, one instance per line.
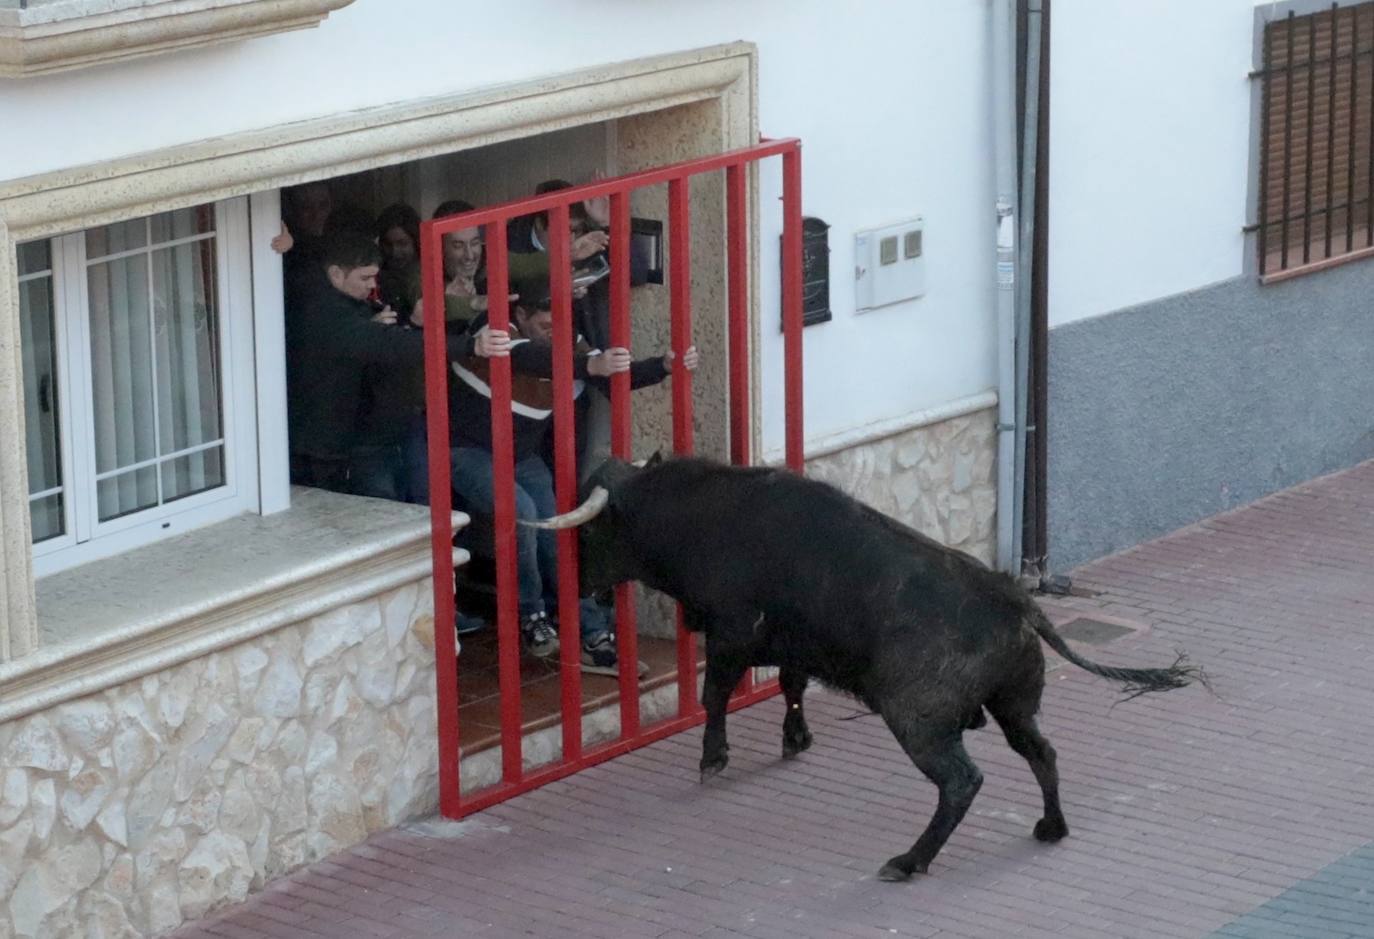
(889,264)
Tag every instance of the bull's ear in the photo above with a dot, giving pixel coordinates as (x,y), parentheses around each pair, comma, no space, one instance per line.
(654,460)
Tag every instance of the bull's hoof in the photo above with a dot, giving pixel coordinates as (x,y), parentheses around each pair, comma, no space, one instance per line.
(1051,829)
(792,744)
(980,719)
(712,766)
(893,874)
(899,869)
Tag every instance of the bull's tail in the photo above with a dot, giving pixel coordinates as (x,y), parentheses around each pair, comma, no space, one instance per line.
(1135,681)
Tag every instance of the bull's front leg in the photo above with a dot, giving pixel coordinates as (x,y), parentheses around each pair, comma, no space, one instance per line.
(796,736)
(724,669)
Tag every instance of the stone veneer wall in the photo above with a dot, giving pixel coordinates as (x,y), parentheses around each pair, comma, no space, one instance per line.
(939,479)
(126,812)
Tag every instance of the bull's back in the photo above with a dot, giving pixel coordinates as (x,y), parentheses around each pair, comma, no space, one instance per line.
(813,559)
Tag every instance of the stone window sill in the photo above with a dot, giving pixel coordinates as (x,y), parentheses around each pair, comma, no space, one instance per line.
(56,35)
(119,619)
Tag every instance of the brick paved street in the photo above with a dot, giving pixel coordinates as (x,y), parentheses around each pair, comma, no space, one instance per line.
(1247,814)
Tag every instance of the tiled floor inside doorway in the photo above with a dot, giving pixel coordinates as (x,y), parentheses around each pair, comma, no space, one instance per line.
(479,689)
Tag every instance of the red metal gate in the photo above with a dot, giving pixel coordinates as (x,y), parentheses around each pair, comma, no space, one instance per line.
(452,802)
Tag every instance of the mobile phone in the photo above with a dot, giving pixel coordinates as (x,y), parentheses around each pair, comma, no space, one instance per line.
(590,271)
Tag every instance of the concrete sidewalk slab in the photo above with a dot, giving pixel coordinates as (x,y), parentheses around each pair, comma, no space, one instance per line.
(1244,814)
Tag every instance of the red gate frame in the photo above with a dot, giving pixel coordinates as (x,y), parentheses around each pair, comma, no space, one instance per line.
(452,803)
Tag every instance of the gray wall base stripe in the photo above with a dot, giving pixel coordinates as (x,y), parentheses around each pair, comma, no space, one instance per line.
(1170,412)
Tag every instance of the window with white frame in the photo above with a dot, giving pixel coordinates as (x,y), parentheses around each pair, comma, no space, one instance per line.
(137,362)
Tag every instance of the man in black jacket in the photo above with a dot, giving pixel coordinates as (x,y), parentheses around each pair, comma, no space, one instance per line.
(329,347)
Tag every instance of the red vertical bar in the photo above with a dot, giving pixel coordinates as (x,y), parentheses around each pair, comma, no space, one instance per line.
(565,481)
(441,520)
(737,248)
(627,639)
(792,305)
(680,284)
(503,510)
(622,426)
(680,309)
(737,332)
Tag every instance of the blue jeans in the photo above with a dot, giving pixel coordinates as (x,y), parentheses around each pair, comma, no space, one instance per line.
(536,552)
(415,462)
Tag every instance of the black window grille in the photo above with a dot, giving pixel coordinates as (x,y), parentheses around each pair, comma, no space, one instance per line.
(1316,139)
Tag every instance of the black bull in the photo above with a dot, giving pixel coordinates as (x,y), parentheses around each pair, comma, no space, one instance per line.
(780,570)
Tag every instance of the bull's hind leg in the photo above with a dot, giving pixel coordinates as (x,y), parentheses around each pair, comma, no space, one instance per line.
(723,673)
(945,763)
(1017,720)
(796,736)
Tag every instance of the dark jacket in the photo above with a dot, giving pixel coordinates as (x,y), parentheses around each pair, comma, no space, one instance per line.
(531,391)
(329,347)
(399,288)
(303,277)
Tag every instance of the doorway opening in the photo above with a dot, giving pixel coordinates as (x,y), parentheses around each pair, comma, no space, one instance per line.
(365,201)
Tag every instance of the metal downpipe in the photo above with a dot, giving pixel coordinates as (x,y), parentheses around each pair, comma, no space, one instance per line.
(1030,138)
(1003,75)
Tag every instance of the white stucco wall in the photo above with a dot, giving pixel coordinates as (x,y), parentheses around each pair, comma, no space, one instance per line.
(1150,149)
(890,99)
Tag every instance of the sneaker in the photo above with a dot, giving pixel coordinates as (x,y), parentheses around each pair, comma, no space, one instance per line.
(538,635)
(599,658)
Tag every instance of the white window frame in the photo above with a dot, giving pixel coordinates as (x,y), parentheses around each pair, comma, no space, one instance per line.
(85,538)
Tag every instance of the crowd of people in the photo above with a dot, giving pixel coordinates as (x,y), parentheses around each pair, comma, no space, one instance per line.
(355,372)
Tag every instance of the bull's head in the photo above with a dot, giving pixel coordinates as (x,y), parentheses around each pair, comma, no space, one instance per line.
(605,557)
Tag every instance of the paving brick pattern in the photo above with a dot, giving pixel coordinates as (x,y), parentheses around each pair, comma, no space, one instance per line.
(1244,814)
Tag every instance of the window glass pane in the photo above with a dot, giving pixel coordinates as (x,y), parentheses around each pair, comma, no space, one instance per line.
(183,223)
(187,330)
(47,517)
(34,256)
(39,362)
(127,492)
(38,371)
(122,375)
(112,239)
(193,473)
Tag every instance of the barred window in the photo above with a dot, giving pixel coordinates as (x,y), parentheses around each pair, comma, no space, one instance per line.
(1316,140)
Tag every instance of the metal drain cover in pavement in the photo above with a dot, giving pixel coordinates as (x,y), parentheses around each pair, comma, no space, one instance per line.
(1092,631)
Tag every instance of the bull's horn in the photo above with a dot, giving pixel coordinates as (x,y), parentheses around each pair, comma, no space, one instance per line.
(583,513)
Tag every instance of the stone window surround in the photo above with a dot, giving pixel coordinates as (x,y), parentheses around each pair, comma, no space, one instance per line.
(59,35)
(222,168)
